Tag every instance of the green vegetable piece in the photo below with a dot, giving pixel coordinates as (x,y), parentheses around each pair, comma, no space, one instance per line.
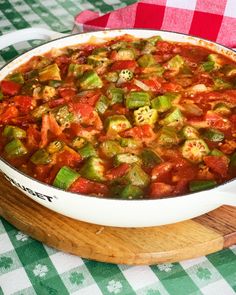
(51,72)
(150,158)
(54,83)
(125,54)
(117,123)
(48,92)
(93,169)
(112,77)
(189,132)
(208,66)
(102,51)
(55,146)
(162,103)
(126,158)
(102,104)
(222,109)
(15,148)
(233,160)
(38,112)
(145,115)
(153,40)
(131,192)
(173,117)
(97,60)
(41,157)
(63,116)
(194,150)
(87,151)
(168,136)
(137,99)
(118,45)
(110,148)
(1,95)
(213,135)
(125,75)
(130,143)
(146,60)
(115,95)
(229,70)
(216,152)
(41,62)
(199,185)
(78,142)
(136,176)
(65,177)
(90,80)
(175,63)
(17,77)
(13,132)
(31,74)
(75,70)
(220,84)
(216,58)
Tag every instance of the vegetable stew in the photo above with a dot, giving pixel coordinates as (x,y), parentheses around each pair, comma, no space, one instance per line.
(129,118)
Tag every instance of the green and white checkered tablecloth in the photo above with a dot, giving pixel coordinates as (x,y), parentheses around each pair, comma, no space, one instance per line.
(29,267)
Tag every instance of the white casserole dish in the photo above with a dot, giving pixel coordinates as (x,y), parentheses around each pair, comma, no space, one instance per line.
(112,212)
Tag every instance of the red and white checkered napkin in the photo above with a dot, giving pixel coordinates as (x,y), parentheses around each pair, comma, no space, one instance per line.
(211,19)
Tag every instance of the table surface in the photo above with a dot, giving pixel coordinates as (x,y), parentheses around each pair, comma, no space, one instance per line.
(29,267)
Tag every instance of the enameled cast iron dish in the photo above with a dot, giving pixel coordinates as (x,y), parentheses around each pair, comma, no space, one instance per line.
(112,212)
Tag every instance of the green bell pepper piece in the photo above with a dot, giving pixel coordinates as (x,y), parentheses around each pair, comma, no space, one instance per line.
(51,72)
(115,95)
(137,99)
(87,151)
(136,176)
(93,169)
(15,148)
(150,158)
(13,132)
(213,135)
(41,157)
(90,80)
(146,60)
(110,148)
(199,185)
(117,123)
(65,177)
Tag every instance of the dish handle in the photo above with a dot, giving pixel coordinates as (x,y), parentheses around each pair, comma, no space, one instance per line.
(28,34)
(227,193)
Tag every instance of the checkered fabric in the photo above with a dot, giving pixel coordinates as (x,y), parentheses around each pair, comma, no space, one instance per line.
(209,19)
(28,267)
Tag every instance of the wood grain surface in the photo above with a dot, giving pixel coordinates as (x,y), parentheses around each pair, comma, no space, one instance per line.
(175,242)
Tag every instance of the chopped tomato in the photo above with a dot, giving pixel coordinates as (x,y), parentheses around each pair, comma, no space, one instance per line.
(164,46)
(68,157)
(162,171)
(160,189)
(168,87)
(85,186)
(85,110)
(216,121)
(24,103)
(90,97)
(154,84)
(218,164)
(139,132)
(49,123)
(117,172)
(124,64)
(67,91)
(33,136)
(42,171)
(10,87)
(9,113)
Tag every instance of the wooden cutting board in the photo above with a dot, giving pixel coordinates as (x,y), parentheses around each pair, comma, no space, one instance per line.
(200,236)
